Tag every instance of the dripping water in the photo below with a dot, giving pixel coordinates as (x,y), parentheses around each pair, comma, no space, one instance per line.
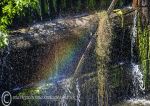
(138,83)
(138,87)
(133,37)
(78,93)
(137,80)
(68,94)
(66,85)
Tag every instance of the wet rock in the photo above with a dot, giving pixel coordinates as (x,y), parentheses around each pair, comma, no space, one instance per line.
(46,32)
(48,50)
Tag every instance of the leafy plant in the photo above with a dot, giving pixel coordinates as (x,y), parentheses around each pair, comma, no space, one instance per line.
(3,40)
(8,10)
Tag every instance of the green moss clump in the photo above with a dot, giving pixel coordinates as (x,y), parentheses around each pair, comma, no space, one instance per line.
(144,52)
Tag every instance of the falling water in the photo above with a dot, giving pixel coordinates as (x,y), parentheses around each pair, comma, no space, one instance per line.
(63,100)
(138,83)
(137,80)
(68,94)
(133,37)
(78,93)
(136,72)
(66,85)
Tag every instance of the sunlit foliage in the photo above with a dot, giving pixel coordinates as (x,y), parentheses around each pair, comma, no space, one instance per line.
(8,10)
(24,11)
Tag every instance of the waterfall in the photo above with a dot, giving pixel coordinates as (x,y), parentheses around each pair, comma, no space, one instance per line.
(68,94)
(137,80)
(66,85)
(138,87)
(138,83)
(78,93)
(63,101)
(133,36)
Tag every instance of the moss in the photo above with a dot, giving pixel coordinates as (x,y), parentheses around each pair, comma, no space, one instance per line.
(120,13)
(144,53)
(30,91)
(102,51)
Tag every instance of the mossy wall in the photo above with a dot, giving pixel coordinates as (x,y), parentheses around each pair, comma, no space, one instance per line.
(143,41)
(118,65)
(113,78)
(144,53)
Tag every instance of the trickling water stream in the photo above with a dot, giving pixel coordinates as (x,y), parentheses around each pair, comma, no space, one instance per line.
(138,83)
(137,75)
(67,92)
(78,92)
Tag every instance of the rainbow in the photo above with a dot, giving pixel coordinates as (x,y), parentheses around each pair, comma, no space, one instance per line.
(62,58)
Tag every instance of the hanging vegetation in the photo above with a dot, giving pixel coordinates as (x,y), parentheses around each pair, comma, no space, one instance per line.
(144,51)
(17,12)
